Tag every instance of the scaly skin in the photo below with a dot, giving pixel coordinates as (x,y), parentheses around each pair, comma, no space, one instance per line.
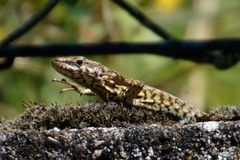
(111,86)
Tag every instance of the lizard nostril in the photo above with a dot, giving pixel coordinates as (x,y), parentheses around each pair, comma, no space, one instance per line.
(79,62)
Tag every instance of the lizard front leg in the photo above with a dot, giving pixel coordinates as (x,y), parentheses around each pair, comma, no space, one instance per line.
(74,87)
(134,88)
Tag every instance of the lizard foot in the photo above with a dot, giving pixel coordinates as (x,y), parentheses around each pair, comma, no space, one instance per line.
(74,87)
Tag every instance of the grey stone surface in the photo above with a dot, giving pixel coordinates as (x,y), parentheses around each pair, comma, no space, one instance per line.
(57,133)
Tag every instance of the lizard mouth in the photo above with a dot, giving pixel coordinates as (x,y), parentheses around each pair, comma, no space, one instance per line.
(57,64)
(67,66)
(63,66)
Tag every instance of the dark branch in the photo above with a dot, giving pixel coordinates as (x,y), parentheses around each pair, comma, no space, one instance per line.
(141,18)
(29,23)
(23,29)
(221,53)
(7,62)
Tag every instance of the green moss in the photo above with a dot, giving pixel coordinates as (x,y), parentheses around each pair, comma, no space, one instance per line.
(105,114)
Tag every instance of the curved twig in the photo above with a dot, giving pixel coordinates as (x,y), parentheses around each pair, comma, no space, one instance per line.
(142,19)
(23,29)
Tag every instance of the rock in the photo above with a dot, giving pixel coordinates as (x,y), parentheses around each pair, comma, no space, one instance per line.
(110,131)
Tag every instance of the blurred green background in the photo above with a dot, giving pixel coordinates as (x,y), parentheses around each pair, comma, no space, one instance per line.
(72,21)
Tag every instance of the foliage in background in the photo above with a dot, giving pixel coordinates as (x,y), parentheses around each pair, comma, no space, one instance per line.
(98,21)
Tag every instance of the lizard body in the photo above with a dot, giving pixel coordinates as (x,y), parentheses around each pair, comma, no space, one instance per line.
(111,86)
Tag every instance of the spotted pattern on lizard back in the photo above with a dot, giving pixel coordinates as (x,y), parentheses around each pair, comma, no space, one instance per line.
(111,86)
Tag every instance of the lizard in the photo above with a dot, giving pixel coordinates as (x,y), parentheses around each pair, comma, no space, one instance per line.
(109,85)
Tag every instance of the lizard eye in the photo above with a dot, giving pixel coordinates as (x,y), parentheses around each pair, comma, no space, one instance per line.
(79,62)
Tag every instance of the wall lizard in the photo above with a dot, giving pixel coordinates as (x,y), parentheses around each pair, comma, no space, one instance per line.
(111,86)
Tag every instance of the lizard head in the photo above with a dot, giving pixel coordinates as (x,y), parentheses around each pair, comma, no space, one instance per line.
(78,68)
